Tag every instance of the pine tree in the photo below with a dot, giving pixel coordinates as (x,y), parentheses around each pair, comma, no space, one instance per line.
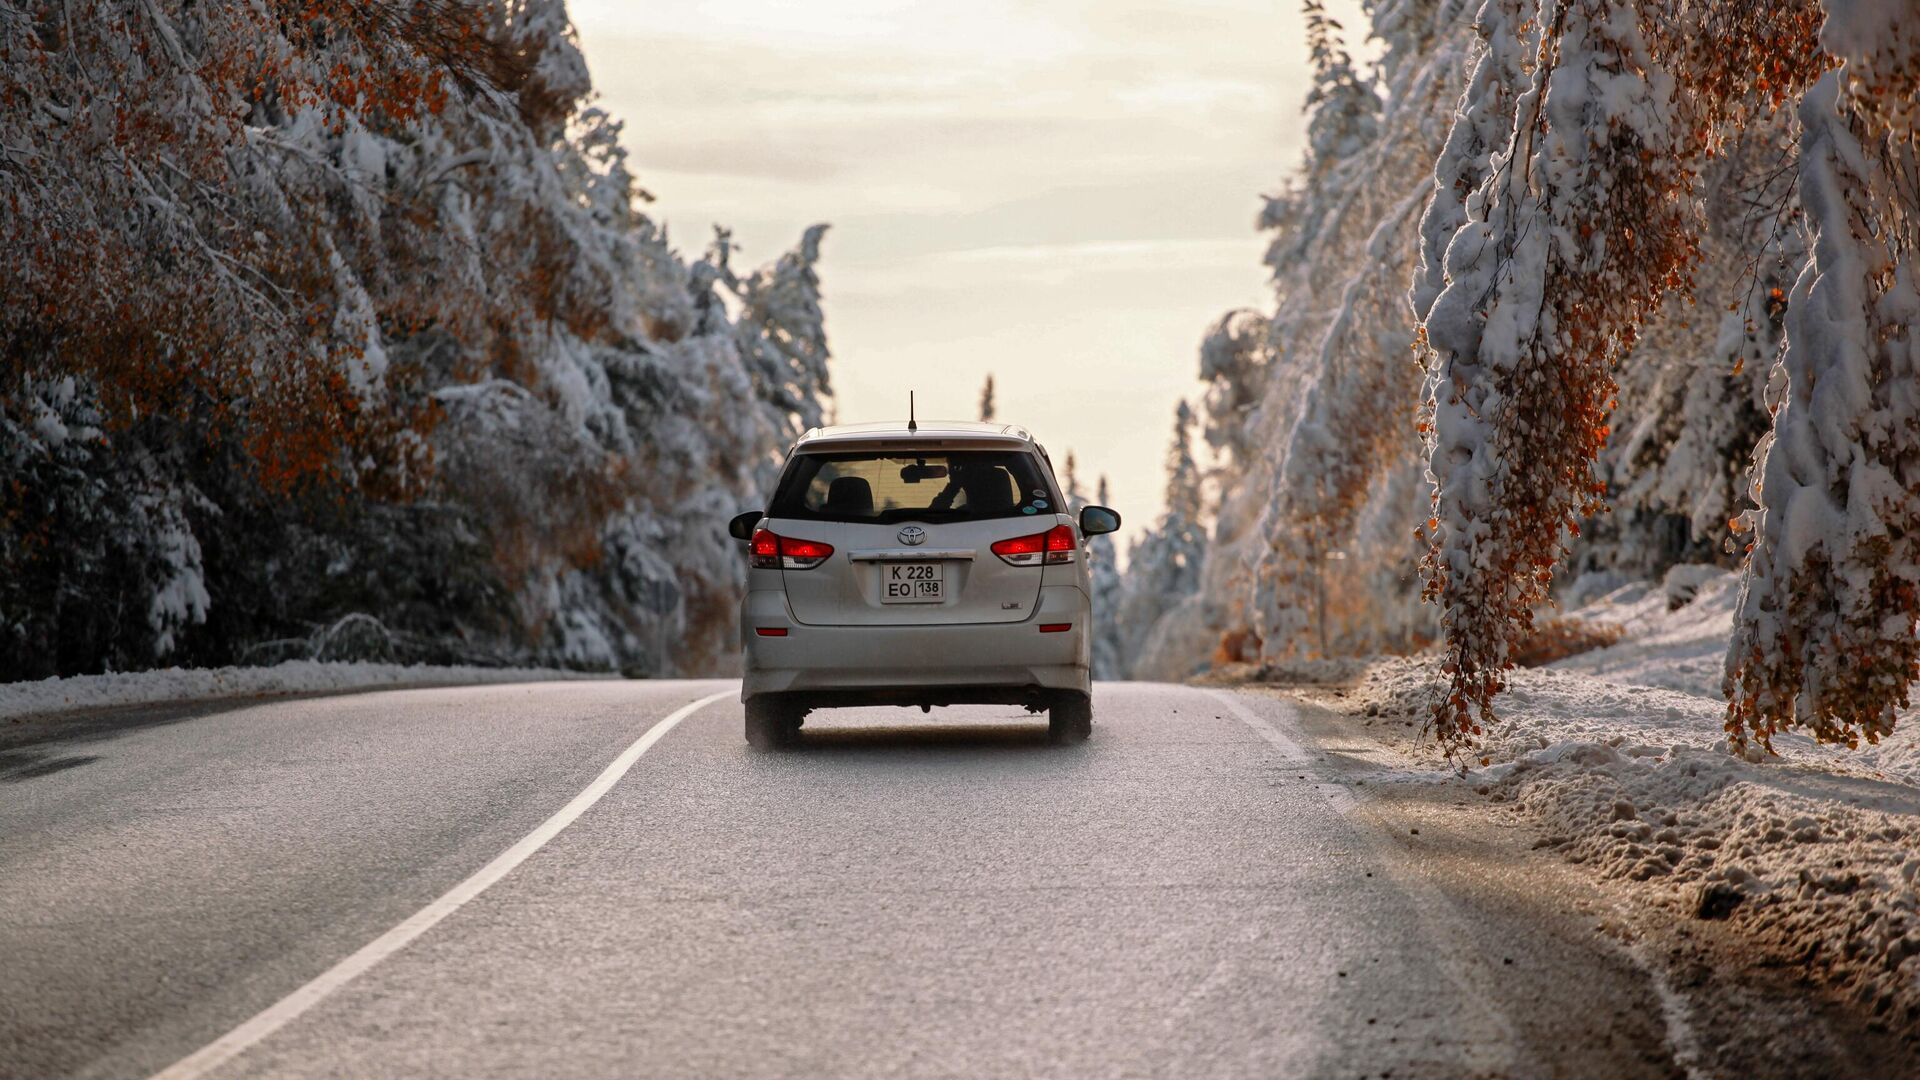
(1164,566)
(1343,107)
(1076,498)
(782,333)
(1182,530)
(1343,112)
(1108,660)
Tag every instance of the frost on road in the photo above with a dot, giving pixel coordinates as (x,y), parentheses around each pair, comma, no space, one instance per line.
(1189,891)
(1549,520)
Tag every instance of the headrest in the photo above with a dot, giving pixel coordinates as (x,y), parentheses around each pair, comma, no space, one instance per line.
(990,491)
(849,495)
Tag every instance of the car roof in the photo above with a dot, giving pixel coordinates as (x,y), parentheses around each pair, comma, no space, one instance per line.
(933,433)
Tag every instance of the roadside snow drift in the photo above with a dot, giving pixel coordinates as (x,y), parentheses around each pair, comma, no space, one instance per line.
(200,684)
(1619,755)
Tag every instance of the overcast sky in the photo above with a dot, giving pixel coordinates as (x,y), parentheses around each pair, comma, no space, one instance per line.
(1061,193)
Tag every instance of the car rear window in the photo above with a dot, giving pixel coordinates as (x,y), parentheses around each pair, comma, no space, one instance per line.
(882,487)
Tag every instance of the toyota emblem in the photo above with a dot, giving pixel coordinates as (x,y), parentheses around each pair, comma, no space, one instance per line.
(913,536)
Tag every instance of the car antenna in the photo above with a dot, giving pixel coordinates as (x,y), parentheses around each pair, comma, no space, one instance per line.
(912,424)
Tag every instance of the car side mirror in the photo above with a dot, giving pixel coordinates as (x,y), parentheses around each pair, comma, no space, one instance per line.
(1098,520)
(741,527)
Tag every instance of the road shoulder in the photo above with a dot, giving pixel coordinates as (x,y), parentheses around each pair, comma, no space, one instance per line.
(197,686)
(1729,1003)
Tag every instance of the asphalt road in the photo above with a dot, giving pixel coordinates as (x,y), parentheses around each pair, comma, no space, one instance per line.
(1197,891)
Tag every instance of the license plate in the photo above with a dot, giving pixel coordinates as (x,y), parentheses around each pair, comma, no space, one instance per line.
(912,583)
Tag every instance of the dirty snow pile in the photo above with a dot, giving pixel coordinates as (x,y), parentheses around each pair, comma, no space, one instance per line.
(1813,854)
(20,699)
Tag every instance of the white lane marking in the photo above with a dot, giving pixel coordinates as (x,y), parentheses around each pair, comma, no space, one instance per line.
(284,1011)
(1261,727)
(1442,921)
(1675,1011)
(1330,789)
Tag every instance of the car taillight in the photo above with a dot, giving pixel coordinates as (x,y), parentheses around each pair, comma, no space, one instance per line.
(766,550)
(1053,546)
(772,552)
(801,554)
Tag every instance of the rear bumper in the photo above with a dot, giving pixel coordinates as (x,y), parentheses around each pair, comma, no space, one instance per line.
(911,665)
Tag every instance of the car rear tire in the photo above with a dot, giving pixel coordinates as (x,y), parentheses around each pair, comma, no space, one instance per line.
(1070,718)
(771,724)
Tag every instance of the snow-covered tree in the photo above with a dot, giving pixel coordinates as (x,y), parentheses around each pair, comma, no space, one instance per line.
(1108,599)
(1693,398)
(1824,635)
(1596,167)
(1343,113)
(1076,496)
(1234,354)
(1165,564)
(782,330)
(346,314)
(1567,243)
(1310,403)
(1108,660)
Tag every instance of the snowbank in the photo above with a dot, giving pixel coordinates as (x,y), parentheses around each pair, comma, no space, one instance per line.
(1619,755)
(198,684)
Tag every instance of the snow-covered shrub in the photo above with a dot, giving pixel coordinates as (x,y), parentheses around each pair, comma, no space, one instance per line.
(97,564)
(1682,582)
(1552,640)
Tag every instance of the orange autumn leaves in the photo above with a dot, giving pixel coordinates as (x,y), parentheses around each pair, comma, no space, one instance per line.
(173,250)
(1616,119)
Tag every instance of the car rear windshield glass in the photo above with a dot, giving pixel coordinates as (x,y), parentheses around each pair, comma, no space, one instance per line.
(897,485)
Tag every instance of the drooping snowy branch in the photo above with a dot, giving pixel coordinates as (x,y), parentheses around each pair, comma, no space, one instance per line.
(1482,126)
(1594,168)
(1824,634)
(1575,234)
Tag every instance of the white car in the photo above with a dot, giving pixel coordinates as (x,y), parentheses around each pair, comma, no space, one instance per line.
(917,564)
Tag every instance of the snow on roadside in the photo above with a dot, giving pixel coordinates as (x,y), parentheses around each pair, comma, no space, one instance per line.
(1619,755)
(292,677)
